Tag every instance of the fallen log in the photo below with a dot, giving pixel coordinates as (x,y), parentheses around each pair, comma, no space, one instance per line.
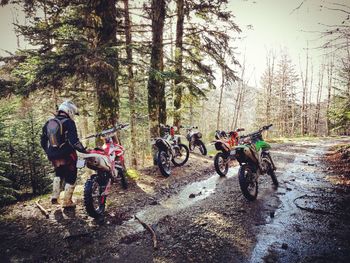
(42,209)
(149,228)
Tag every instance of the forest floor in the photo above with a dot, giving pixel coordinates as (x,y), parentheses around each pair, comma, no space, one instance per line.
(199,217)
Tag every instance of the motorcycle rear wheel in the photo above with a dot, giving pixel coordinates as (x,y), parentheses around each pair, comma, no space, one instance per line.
(184,152)
(94,202)
(220,164)
(247,182)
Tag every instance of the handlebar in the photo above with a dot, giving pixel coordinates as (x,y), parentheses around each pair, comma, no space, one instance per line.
(264,128)
(117,127)
(188,127)
(230,132)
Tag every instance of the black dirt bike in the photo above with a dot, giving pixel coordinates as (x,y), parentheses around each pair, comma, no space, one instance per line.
(254,159)
(169,148)
(194,139)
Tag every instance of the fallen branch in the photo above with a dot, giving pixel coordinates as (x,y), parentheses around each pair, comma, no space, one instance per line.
(154,237)
(42,209)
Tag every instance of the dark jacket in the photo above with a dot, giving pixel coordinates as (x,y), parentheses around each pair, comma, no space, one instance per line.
(72,140)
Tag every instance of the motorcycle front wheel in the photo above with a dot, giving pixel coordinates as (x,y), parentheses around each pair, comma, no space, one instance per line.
(248,182)
(94,201)
(163,162)
(181,155)
(271,170)
(202,147)
(221,164)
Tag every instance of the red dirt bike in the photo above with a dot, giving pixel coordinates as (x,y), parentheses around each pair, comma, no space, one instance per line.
(224,143)
(108,163)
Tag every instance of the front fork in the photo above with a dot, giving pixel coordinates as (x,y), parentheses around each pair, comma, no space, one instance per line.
(273,164)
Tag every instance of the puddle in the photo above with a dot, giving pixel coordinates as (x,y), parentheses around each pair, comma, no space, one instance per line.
(177,202)
(279,230)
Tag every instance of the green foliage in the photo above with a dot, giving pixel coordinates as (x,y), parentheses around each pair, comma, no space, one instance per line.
(339,114)
(23,164)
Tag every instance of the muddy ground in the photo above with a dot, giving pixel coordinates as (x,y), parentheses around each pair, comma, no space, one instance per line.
(198,217)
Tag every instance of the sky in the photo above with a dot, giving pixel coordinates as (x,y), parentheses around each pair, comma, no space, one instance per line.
(273,22)
(275,25)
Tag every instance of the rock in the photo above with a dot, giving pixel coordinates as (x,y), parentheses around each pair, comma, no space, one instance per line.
(311,164)
(272,214)
(206,161)
(192,196)
(304,161)
(289,189)
(154,202)
(284,246)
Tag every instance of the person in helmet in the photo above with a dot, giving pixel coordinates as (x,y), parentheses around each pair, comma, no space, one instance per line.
(60,141)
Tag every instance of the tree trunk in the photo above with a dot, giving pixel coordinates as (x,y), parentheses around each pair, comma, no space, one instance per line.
(318,102)
(303,106)
(220,100)
(329,94)
(131,84)
(156,92)
(107,90)
(178,63)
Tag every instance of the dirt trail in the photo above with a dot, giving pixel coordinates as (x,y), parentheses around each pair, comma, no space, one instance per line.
(198,217)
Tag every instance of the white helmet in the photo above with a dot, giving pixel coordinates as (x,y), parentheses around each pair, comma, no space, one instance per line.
(69,108)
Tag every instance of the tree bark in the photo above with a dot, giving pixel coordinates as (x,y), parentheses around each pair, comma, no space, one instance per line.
(106,75)
(131,84)
(156,87)
(178,62)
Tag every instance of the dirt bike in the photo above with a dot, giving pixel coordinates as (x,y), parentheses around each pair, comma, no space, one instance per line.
(254,159)
(108,163)
(169,148)
(224,143)
(194,139)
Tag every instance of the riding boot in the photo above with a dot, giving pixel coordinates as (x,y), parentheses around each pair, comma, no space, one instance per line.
(68,193)
(56,190)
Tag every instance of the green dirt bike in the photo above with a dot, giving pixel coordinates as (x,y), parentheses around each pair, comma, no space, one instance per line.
(254,159)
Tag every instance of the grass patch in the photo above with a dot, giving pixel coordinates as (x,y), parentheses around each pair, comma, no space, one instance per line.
(212,152)
(133,174)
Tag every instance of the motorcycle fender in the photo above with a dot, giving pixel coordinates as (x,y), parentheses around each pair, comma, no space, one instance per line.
(262,145)
(162,145)
(219,146)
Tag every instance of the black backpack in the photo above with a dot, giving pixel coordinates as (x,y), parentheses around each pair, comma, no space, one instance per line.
(55,133)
